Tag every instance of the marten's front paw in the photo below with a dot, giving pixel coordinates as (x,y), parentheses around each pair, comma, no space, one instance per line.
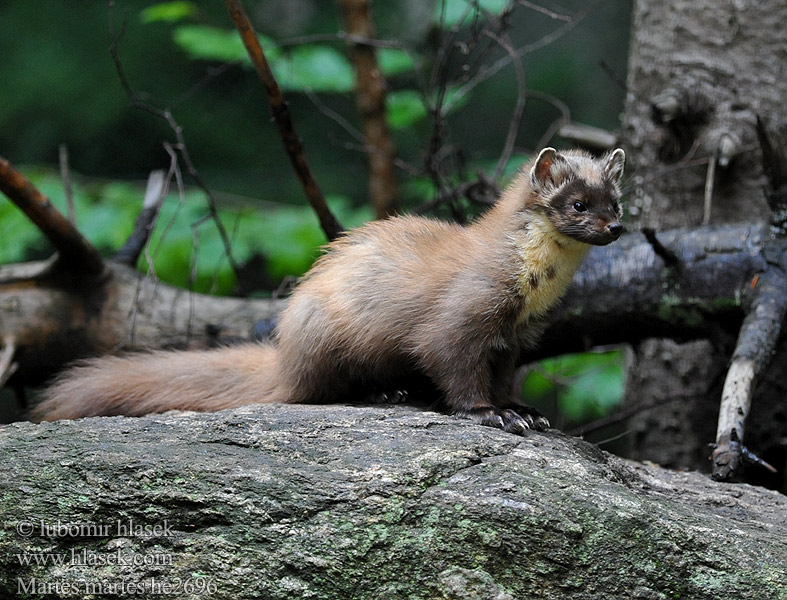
(537,421)
(512,421)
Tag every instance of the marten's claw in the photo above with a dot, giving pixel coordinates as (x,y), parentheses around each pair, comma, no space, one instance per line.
(534,418)
(502,418)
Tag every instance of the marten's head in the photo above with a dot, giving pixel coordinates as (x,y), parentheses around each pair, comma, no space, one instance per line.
(579,194)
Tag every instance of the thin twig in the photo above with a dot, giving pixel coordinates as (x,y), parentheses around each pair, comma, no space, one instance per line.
(544,11)
(75,251)
(435,94)
(353,132)
(495,68)
(341,36)
(180,145)
(621,83)
(563,119)
(65,175)
(173,172)
(622,415)
(710,181)
(516,119)
(281,115)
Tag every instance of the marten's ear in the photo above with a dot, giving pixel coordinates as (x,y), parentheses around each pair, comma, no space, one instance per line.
(544,173)
(613,167)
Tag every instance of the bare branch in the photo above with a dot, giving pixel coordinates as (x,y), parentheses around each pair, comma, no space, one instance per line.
(563,119)
(753,352)
(341,36)
(588,136)
(75,251)
(281,115)
(545,11)
(155,193)
(495,68)
(176,129)
(352,131)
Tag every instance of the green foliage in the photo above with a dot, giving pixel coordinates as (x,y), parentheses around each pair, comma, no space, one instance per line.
(227,133)
(289,236)
(394,62)
(312,67)
(404,108)
(20,239)
(585,386)
(316,68)
(452,13)
(184,240)
(203,42)
(168,12)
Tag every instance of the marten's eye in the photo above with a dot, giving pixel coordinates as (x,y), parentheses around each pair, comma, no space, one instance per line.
(580,207)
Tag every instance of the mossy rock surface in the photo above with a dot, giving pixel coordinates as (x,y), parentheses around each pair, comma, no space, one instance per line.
(366,502)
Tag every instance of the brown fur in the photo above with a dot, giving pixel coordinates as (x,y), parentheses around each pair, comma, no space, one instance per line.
(407,295)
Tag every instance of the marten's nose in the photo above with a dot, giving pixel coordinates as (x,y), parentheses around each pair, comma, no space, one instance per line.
(615,228)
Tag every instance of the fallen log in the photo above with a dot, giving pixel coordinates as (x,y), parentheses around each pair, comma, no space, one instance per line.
(622,293)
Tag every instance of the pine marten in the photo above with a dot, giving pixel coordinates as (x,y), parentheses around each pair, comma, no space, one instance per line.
(403,296)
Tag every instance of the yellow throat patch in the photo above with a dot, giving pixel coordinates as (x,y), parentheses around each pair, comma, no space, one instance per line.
(549,261)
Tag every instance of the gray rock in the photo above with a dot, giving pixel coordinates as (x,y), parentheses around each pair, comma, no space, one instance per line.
(335,502)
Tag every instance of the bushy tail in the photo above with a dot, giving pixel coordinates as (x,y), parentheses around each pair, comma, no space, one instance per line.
(159,381)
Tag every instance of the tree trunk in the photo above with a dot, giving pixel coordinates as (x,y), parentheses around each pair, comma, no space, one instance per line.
(700,72)
(700,76)
(284,502)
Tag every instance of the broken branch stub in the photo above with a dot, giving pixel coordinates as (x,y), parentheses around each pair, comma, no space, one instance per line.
(74,250)
(754,349)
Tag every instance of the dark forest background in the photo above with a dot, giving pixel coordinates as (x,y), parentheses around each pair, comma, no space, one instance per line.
(61,88)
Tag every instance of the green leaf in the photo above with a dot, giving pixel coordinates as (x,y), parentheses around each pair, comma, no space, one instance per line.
(308,67)
(462,12)
(419,189)
(394,61)
(289,237)
(169,12)
(586,385)
(211,43)
(20,237)
(404,107)
(595,384)
(315,68)
(536,385)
